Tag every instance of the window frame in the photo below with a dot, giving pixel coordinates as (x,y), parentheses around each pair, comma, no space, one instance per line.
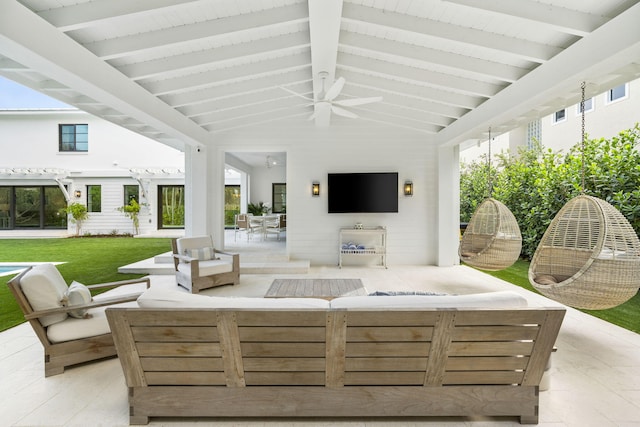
(65,146)
(127,196)
(91,208)
(554,116)
(587,109)
(609,94)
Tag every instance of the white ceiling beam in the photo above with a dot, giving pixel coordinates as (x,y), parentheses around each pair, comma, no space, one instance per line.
(324,28)
(232,102)
(160,39)
(85,14)
(393,101)
(45,48)
(267,117)
(530,51)
(426,97)
(612,46)
(387,82)
(420,76)
(252,110)
(472,66)
(219,55)
(559,18)
(234,88)
(398,122)
(225,75)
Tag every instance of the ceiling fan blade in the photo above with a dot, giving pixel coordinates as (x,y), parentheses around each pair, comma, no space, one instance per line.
(335,89)
(342,112)
(296,94)
(358,101)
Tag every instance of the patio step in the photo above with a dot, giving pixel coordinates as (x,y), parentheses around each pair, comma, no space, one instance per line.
(163,264)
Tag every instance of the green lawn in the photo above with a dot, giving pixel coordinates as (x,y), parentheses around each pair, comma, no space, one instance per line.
(626,315)
(88,260)
(92,260)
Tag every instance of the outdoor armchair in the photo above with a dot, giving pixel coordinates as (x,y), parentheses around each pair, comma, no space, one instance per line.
(198,265)
(69,322)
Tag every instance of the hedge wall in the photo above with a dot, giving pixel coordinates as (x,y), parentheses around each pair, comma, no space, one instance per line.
(537,182)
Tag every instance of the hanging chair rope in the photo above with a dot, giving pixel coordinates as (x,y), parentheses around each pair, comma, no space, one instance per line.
(583,135)
(489,174)
(589,256)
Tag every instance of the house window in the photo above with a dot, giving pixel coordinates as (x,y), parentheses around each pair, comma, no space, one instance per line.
(131,192)
(560,116)
(94,198)
(73,137)
(279,197)
(588,106)
(617,93)
(171,206)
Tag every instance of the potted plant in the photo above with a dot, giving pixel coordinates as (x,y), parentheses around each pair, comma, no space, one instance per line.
(257,209)
(78,213)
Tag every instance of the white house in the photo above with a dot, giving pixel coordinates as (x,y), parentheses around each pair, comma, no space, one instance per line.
(61,157)
(390,86)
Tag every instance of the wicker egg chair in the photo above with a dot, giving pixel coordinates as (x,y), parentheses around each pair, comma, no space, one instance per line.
(589,257)
(492,240)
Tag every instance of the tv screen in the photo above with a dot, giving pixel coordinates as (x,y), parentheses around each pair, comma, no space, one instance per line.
(363,192)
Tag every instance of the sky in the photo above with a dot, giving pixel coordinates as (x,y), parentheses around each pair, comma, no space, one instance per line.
(14,95)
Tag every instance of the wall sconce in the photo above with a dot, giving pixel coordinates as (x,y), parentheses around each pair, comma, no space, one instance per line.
(315,189)
(408,188)
(78,194)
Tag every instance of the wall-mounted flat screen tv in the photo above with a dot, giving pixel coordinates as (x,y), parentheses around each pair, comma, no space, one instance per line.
(363,192)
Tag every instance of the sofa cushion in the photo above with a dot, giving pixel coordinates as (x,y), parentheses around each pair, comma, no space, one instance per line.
(94,324)
(207,268)
(77,294)
(502,299)
(44,287)
(157,297)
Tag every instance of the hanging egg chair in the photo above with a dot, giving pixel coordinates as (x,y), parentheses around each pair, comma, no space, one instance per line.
(589,257)
(492,240)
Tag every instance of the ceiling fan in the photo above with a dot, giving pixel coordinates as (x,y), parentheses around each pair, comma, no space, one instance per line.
(328,98)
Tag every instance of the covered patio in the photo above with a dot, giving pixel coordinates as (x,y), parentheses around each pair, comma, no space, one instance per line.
(212,77)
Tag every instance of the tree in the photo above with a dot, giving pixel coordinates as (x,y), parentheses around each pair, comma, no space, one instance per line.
(132,211)
(78,213)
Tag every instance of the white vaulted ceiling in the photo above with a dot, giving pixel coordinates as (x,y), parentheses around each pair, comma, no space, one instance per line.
(182,71)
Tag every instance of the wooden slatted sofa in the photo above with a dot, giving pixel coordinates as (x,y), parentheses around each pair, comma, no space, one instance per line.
(186,355)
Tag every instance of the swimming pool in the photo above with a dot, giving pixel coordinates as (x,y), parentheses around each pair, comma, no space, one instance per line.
(6,270)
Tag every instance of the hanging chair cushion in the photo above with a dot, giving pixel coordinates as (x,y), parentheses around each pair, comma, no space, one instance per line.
(545,279)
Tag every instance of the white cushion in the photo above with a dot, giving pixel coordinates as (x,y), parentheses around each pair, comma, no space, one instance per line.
(156,297)
(93,325)
(44,287)
(502,299)
(207,268)
(185,243)
(77,294)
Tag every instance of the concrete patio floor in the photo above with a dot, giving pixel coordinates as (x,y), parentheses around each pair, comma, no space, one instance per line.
(595,374)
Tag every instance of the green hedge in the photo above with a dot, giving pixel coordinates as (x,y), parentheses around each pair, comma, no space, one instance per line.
(537,182)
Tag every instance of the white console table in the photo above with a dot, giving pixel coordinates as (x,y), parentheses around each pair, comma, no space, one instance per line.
(367,242)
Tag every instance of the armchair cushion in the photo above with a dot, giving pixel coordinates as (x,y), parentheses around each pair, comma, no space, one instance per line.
(45,288)
(92,325)
(207,268)
(77,294)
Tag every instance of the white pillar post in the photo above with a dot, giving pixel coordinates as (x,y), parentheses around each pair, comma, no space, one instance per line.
(448,216)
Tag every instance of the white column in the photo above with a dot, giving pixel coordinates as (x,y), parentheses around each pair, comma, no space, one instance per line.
(448,215)
(196,185)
